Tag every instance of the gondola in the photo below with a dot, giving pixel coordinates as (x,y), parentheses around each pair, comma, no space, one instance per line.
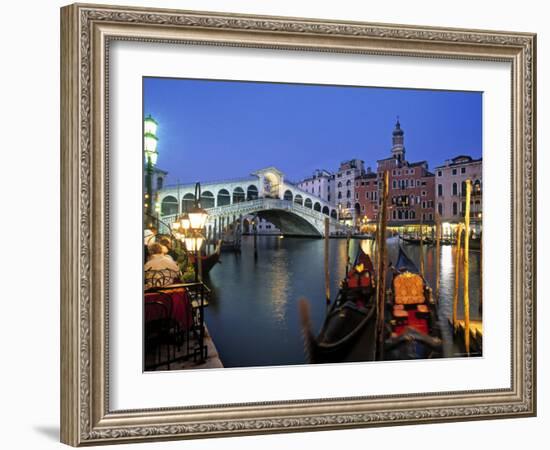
(208,261)
(348,333)
(411,321)
(410,240)
(233,246)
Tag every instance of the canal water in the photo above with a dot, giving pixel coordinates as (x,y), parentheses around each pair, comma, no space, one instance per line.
(253,313)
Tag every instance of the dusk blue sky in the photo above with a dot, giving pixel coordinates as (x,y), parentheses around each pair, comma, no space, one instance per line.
(216,130)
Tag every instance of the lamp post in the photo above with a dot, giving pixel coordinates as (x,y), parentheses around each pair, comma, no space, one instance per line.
(197,221)
(189,228)
(150,142)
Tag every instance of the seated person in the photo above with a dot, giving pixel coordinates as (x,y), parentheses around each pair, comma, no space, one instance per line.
(161,269)
(148,239)
(167,247)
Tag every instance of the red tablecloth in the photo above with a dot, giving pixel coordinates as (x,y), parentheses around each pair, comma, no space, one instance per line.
(181,305)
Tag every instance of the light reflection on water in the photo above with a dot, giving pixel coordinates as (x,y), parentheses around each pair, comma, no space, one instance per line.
(253,315)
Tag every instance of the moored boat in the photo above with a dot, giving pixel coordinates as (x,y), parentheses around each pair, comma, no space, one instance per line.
(412,327)
(348,332)
(208,261)
(416,240)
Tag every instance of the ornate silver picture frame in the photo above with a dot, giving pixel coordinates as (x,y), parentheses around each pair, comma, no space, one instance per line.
(87,32)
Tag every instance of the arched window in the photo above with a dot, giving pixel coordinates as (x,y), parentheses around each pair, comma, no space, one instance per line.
(440,209)
(326,210)
(308,203)
(251,192)
(238,195)
(348,205)
(348,183)
(317,206)
(357,209)
(464,189)
(455,189)
(288,195)
(223,197)
(298,199)
(406,214)
(334,214)
(160,181)
(207,199)
(477,187)
(169,206)
(394,214)
(348,194)
(339,184)
(412,215)
(455,209)
(187,202)
(339,195)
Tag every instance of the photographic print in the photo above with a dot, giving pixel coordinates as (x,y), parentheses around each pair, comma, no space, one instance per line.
(290,202)
(294,224)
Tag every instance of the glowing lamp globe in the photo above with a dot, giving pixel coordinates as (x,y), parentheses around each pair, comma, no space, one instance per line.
(197,218)
(184,222)
(150,142)
(193,244)
(150,125)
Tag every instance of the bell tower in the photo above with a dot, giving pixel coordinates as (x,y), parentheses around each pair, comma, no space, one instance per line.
(398,149)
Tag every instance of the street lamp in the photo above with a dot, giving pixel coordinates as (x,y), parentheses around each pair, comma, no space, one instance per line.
(150,142)
(197,215)
(194,223)
(188,229)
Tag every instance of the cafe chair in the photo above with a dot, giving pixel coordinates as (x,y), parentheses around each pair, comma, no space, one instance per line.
(159,332)
(160,278)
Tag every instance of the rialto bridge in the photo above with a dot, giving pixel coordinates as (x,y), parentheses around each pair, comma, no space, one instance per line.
(264,194)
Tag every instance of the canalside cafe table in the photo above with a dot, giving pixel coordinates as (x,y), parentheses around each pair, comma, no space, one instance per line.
(173,314)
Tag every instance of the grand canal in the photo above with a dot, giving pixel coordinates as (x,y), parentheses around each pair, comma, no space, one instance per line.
(253,313)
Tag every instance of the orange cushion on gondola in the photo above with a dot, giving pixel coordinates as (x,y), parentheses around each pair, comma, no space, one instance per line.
(408,289)
(422,308)
(400,313)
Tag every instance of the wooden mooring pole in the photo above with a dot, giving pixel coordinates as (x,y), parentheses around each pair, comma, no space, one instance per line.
(255,237)
(457,272)
(480,306)
(327,273)
(437,255)
(422,244)
(381,267)
(467,268)
(348,237)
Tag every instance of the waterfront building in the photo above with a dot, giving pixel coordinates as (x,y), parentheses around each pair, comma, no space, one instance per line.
(157,184)
(451,189)
(344,189)
(366,196)
(411,187)
(320,184)
(263,227)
